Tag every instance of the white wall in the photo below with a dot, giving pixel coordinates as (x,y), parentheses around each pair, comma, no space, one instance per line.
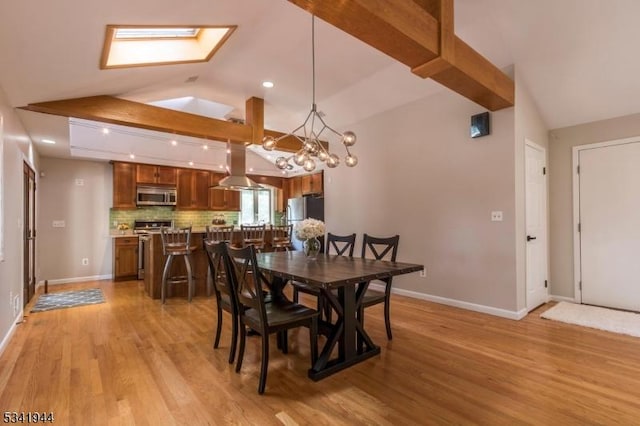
(17,149)
(85,210)
(560,161)
(528,125)
(420,175)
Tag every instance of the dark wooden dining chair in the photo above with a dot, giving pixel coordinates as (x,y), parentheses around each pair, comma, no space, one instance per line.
(276,317)
(341,245)
(253,235)
(216,234)
(281,237)
(380,249)
(226,298)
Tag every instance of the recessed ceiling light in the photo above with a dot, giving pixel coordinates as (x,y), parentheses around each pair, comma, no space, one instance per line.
(49,141)
(174,143)
(205,147)
(228,151)
(250,169)
(221,166)
(132,156)
(191,163)
(267,84)
(105,131)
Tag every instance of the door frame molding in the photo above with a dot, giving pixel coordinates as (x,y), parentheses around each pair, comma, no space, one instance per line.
(577,255)
(530,143)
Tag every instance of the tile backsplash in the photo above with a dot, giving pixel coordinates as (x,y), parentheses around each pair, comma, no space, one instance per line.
(180,217)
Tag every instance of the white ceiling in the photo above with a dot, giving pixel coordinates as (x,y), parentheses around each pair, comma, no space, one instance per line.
(577,58)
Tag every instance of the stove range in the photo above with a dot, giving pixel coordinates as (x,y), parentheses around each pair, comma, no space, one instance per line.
(144,226)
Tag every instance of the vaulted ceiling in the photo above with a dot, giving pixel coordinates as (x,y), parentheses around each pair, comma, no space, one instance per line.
(575,56)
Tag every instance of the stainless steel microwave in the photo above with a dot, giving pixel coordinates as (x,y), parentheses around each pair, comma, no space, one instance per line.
(155,196)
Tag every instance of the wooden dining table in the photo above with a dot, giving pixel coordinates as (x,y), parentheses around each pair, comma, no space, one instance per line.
(350,276)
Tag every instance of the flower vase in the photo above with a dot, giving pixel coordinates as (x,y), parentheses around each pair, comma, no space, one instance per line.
(311,247)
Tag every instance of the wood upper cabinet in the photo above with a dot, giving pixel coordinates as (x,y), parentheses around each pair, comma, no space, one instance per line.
(193,189)
(295,187)
(222,199)
(312,184)
(124,185)
(125,258)
(156,175)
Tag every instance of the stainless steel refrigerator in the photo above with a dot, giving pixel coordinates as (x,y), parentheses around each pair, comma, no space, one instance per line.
(303,208)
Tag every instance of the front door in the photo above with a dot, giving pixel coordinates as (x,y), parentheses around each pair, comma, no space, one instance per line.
(29,233)
(536,225)
(609,195)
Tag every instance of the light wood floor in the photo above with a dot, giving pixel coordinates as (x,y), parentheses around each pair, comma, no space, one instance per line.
(133,361)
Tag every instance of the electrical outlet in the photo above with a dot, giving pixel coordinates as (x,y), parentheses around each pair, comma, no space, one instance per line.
(423,273)
(80,182)
(496,216)
(85,261)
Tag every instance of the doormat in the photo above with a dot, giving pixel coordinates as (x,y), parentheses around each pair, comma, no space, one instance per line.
(622,322)
(68,299)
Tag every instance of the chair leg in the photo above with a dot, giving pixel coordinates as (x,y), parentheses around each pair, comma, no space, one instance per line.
(165,277)
(313,342)
(241,349)
(218,327)
(265,363)
(234,336)
(284,336)
(295,295)
(387,319)
(187,262)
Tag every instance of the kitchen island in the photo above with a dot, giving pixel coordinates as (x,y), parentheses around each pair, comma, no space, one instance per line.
(154,264)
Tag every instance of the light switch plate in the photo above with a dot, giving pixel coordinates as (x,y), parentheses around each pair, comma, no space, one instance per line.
(496,216)
(59,224)
(80,182)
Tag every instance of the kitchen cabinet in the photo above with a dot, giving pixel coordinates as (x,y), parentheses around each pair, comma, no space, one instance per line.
(222,199)
(124,185)
(125,258)
(295,187)
(148,174)
(312,184)
(193,189)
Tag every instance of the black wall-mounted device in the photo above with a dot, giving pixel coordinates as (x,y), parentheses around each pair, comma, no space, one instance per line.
(480,125)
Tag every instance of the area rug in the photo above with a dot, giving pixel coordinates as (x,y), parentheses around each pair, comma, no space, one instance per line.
(595,317)
(68,299)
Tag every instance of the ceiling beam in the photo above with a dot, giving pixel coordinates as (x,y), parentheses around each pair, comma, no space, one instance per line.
(420,34)
(109,109)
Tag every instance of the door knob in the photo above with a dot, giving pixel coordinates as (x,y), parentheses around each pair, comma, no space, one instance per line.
(529,238)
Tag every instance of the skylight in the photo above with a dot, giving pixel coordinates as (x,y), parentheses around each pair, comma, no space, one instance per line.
(141,45)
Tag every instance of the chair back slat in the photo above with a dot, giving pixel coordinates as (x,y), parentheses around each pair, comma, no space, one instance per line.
(219,234)
(217,256)
(341,244)
(247,278)
(175,239)
(382,248)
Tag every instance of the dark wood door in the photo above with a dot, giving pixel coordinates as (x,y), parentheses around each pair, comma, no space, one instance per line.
(126,258)
(295,187)
(29,233)
(166,175)
(201,190)
(217,199)
(124,185)
(146,173)
(185,189)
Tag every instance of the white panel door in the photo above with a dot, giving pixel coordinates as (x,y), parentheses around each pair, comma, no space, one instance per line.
(536,226)
(610,225)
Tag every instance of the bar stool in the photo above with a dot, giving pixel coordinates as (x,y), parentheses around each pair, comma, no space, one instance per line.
(215,235)
(176,242)
(253,235)
(281,237)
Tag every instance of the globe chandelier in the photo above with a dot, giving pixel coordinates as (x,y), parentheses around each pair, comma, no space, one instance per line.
(312,128)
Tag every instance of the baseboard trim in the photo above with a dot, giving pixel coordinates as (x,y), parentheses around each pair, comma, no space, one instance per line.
(514,315)
(7,338)
(77,279)
(562,299)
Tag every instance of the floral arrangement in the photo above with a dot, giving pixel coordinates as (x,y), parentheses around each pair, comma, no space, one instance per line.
(309,228)
(123,226)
